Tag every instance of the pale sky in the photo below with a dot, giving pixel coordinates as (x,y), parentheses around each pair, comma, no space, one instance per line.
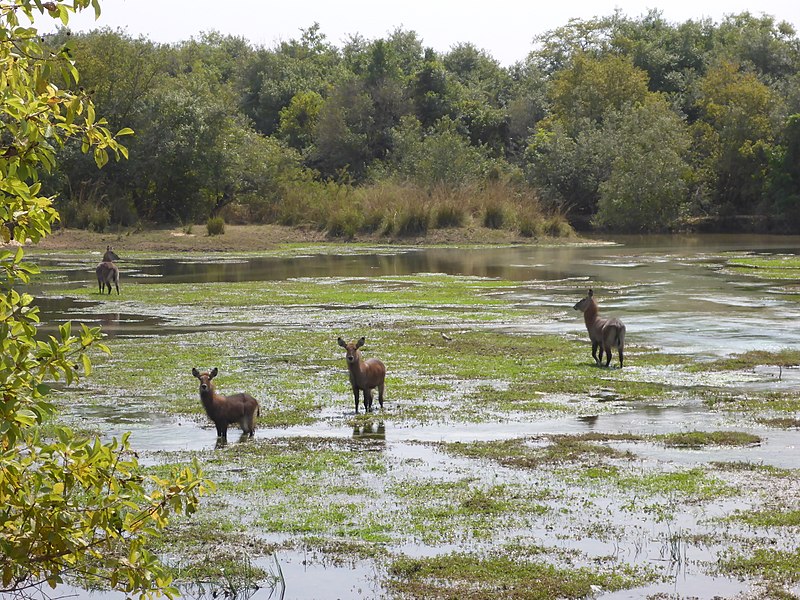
(504,28)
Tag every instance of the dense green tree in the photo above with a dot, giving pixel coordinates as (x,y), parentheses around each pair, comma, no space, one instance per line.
(341,135)
(735,135)
(569,168)
(271,78)
(342,109)
(784,181)
(590,87)
(299,119)
(648,182)
(439,158)
(432,90)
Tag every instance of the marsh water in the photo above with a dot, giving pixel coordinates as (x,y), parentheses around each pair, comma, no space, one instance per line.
(674,292)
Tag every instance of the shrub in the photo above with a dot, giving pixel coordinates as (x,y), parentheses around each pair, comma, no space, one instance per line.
(345,223)
(494,216)
(449,215)
(413,220)
(557,226)
(215,226)
(529,226)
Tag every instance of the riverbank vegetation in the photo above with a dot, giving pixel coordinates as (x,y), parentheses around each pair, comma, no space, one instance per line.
(621,123)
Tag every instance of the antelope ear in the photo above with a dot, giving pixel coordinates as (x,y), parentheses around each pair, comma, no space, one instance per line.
(342,343)
(195,372)
(213,373)
(360,342)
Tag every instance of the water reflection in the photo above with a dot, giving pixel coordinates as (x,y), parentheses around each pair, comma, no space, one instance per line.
(370,431)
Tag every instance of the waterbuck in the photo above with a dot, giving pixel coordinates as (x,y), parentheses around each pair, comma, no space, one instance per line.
(224,410)
(606,334)
(107,271)
(365,375)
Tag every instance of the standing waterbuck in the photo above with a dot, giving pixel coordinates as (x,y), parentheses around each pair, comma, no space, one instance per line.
(606,334)
(365,375)
(224,410)
(107,271)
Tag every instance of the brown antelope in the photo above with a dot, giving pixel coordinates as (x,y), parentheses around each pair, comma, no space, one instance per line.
(365,375)
(107,271)
(606,334)
(224,410)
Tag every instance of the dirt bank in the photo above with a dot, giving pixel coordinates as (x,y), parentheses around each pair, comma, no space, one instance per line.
(244,238)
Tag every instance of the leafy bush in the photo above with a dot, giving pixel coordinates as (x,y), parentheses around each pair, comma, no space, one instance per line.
(413,220)
(449,215)
(345,223)
(215,226)
(494,216)
(530,226)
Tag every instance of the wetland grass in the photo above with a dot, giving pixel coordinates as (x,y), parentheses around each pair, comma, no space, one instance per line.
(356,499)
(457,575)
(701,439)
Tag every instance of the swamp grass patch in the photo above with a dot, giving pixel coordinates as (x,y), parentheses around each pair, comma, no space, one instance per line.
(695,484)
(776,517)
(773,267)
(701,439)
(779,422)
(355,497)
(776,566)
(436,511)
(786,357)
(532,453)
(752,402)
(460,575)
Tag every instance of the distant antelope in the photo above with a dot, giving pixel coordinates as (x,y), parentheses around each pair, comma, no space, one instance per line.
(365,375)
(224,410)
(606,334)
(107,271)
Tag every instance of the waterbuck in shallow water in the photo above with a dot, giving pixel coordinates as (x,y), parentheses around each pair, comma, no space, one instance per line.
(606,334)
(224,410)
(107,272)
(365,375)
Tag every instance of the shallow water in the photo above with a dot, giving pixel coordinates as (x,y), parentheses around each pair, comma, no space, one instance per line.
(673,295)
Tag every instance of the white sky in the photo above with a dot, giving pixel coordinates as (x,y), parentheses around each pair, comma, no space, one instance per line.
(504,28)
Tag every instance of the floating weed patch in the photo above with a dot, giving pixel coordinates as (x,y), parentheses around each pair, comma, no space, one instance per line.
(780,422)
(748,360)
(776,566)
(420,290)
(537,452)
(517,398)
(754,402)
(775,267)
(436,512)
(695,484)
(768,518)
(459,575)
(700,439)
(741,466)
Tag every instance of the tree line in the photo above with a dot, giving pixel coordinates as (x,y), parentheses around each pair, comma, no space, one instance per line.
(626,124)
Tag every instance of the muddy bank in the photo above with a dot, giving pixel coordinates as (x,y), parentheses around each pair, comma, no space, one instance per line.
(252,238)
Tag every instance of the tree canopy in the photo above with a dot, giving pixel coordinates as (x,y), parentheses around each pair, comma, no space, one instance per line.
(345,114)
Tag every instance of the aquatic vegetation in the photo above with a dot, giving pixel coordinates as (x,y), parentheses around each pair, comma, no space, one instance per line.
(698,439)
(768,517)
(529,454)
(775,267)
(772,565)
(460,575)
(462,484)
